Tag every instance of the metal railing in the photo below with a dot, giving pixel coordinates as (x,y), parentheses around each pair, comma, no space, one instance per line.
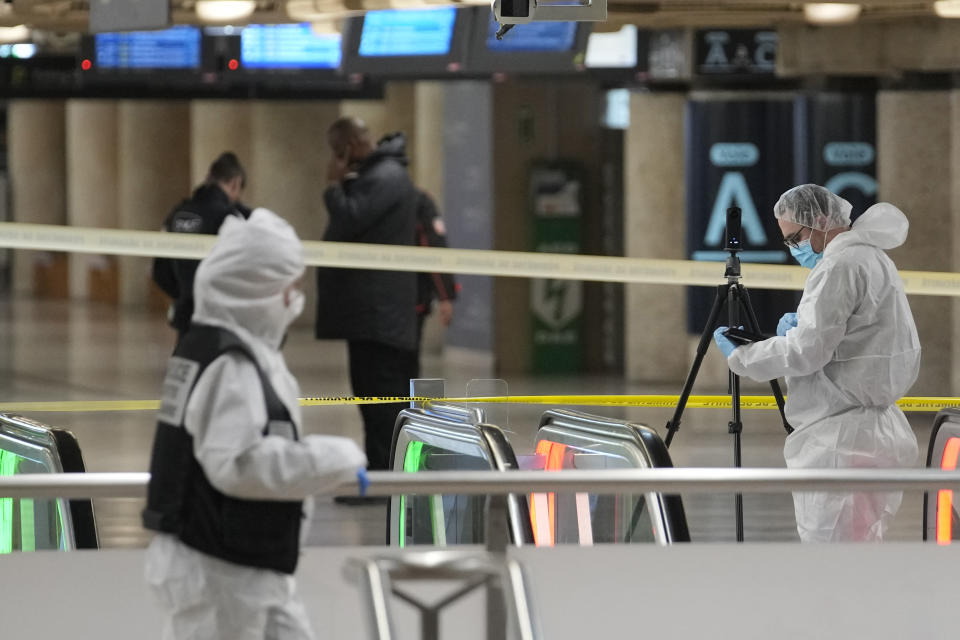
(386,483)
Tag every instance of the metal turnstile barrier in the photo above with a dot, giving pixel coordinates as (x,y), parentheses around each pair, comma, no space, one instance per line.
(941,523)
(444,437)
(28,524)
(576,440)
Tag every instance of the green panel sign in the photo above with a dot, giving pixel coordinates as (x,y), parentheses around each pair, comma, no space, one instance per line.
(556,191)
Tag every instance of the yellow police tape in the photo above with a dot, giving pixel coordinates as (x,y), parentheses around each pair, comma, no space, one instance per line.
(517,264)
(919,403)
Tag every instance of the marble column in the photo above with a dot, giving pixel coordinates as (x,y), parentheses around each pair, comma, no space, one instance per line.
(217,126)
(655,333)
(91,151)
(154,174)
(288,168)
(914,132)
(36,152)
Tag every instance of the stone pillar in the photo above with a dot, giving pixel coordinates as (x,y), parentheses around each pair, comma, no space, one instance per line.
(36,151)
(655,333)
(955,218)
(914,173)
(217,126)
(154,174)
(288,169)
(468,207)
(426,144)
(91,149)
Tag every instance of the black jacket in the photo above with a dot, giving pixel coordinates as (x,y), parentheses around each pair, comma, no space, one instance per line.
(203,213)
(376,205)
(430,286)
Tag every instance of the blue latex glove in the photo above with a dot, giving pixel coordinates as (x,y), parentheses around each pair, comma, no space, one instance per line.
(363,482)
(787,322)
(726,346)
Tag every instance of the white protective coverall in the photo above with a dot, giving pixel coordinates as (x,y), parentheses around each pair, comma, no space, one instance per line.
(239,287)
(852,355)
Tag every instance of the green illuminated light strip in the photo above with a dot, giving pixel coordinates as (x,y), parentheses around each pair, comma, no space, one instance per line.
(8,467)
(412,462)
(28,537)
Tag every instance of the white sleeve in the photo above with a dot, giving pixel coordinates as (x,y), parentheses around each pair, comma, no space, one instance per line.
(226,416)
(829,299)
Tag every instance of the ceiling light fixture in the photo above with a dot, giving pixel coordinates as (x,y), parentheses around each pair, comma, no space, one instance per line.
(225,10)
(318,10)
(947,8)
(831,12)
(19,33)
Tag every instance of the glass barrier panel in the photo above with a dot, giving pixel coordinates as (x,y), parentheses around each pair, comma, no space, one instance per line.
(27,524)
(441,520)
(586,518)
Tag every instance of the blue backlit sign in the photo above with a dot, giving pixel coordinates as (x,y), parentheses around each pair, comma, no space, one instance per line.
(176,48)
(288,46)
(426,32)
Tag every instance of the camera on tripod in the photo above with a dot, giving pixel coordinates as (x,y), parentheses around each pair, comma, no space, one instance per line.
(733,230)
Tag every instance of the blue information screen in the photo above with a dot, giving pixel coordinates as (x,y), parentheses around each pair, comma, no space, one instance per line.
(288,46)
(534,36)
(425,32)
(176,48)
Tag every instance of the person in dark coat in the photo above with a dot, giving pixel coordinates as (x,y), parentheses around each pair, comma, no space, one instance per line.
(371,200)
(442,287)
(211,203)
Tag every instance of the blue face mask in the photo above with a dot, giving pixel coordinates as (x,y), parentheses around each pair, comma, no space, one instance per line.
(805,255)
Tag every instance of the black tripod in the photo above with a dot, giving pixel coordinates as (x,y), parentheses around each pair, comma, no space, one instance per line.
(735,297)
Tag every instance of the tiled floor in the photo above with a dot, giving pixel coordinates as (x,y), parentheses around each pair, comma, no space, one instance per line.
(68,351)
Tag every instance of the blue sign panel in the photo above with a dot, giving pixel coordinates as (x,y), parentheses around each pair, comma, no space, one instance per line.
(288,46)
(176,48)
(535,36)
(734,159)
(426,32)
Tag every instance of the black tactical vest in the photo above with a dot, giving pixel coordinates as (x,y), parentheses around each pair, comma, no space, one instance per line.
(181,501)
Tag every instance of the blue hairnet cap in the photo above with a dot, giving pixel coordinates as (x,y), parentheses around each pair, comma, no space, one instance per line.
(812,206)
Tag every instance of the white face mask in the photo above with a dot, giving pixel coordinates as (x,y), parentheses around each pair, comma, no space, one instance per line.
(295,308)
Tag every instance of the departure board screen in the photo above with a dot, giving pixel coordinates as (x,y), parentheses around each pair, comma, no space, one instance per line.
(288,46)
(175,48)
(534,36)
(425,32)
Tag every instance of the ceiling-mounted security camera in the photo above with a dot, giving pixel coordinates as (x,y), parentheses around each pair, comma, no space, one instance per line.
(510,12)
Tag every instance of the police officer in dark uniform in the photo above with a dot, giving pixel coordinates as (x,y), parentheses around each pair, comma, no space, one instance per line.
(211,203)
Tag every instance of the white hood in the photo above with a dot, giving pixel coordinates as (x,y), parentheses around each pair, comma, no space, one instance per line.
(882,225)
(241,282)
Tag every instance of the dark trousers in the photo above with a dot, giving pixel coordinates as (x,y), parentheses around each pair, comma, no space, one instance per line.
(377,369)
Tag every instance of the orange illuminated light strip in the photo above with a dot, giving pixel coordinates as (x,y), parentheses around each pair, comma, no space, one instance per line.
(543,507)
(945,497)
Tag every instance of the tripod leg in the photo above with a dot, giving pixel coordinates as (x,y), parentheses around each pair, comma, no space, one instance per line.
(754,326)
(673,425)
(735,426)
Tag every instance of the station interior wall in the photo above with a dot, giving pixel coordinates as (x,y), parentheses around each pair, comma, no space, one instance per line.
(124,163)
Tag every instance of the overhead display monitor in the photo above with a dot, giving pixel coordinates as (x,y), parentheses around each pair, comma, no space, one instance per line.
(415,42)
(536,47)
(288,46)
(407,33)
(176,48)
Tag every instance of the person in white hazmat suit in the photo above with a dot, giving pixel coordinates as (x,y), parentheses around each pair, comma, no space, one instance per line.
(848,354)
(231,476)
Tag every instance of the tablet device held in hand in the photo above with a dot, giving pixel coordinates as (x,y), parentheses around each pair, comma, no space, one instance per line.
(741,336)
